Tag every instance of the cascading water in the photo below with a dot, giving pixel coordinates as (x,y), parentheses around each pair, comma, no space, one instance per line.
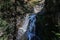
(32,19)
(29,26)
(31,29)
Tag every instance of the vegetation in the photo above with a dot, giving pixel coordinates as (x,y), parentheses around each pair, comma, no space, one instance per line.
(9,10)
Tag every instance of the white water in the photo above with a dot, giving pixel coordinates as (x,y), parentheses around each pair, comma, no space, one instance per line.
(31,29)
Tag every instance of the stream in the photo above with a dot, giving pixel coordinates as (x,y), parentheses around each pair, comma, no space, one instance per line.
(31,29)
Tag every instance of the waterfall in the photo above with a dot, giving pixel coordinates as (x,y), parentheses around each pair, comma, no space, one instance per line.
(31,29)
(29,26)
(32,19)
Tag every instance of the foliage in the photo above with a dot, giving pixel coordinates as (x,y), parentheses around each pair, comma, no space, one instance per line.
(3,23)
(3,27)
(10,10)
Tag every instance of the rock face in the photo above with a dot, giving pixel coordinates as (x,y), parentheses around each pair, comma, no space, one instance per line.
(23,27)
(47,22)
